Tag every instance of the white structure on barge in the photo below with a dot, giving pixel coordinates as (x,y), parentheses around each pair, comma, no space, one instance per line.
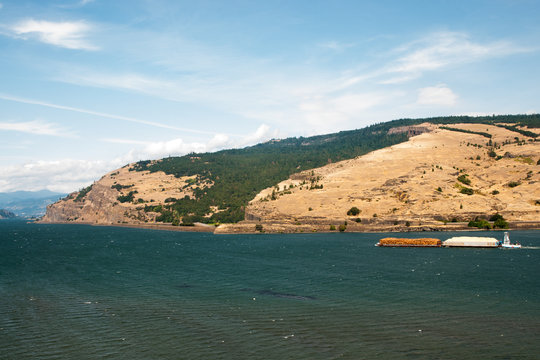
(471,241)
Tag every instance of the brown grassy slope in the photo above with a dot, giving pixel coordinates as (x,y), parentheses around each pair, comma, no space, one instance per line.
(101,205)
(400,183)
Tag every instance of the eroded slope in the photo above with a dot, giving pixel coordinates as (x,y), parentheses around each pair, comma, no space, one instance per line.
(416,181)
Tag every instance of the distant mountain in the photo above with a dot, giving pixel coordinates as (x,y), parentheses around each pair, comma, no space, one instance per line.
(4,214)
(28,203)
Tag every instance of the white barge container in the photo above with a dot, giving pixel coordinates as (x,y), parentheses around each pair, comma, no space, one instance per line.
(471,241)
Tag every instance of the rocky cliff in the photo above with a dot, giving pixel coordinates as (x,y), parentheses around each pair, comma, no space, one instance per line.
(121,196)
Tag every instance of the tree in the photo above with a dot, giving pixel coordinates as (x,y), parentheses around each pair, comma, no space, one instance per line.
(500,223)
(353,211)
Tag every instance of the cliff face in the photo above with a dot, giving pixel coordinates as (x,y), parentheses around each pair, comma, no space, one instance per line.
(120,197)
(417,181)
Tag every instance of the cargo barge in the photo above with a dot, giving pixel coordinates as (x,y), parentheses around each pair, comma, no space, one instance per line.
(403,242)
(458,241)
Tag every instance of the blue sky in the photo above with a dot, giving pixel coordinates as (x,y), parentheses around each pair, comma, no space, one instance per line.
(90,85)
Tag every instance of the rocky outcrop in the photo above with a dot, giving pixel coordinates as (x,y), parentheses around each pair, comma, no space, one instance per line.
(123,196)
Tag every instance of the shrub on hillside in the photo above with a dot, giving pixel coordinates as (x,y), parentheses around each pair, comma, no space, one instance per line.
(127,198)
(479,223)
(500,223)
(464,179)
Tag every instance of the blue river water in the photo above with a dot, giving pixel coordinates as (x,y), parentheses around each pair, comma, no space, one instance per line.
(83,292)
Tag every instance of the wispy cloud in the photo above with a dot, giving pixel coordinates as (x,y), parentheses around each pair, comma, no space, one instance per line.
(70,35)
(36,127)
(441,50)
(436,95)
(125,141)
(100,114)
(271,91)
(128,81)
(335,45)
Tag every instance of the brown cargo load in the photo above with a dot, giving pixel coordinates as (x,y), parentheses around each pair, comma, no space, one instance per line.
(422,242)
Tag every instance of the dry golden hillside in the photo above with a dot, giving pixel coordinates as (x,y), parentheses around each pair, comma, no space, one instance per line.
(415,182)
(108,201)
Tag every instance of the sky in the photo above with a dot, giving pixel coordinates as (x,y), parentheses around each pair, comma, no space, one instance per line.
(87,86)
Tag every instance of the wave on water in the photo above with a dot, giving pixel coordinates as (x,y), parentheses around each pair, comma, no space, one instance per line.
(269,292)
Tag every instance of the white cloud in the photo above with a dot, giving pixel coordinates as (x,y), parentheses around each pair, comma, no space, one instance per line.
(70,35)
(68,175)
(441,50)
(37,127)
(178,147)
(172,147)
(63,175)
(262,134)
(436,95)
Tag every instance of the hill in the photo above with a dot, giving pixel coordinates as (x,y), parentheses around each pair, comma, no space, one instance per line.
(4,214)
(216,187)
(28,203)
(448,176)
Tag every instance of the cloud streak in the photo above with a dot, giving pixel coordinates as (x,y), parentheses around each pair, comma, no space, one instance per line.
(101,114)
(69,35)
(36,127)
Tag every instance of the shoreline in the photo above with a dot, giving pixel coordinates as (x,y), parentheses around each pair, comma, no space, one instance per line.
(288,228)
(164,227)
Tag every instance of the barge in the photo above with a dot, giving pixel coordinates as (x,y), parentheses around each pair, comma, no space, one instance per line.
(457,241)
(404,242)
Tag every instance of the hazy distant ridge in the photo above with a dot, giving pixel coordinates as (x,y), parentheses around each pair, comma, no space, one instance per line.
(28,203)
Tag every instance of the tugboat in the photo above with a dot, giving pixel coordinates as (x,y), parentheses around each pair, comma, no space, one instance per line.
(506,243)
